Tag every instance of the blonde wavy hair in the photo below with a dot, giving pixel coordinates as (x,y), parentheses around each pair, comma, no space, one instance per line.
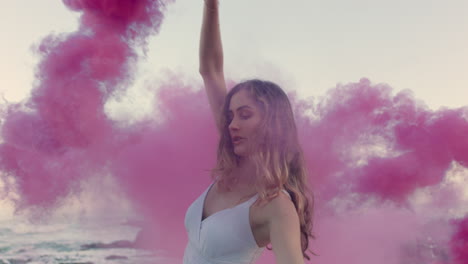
(278,157)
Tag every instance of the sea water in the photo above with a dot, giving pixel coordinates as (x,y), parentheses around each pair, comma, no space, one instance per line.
(71,243)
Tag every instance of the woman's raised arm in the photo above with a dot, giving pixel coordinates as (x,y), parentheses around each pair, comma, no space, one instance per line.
(211,59)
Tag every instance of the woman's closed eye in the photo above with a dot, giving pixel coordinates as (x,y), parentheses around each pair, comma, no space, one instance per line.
(245,116)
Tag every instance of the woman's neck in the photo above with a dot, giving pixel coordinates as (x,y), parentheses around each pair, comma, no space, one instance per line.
(245,174)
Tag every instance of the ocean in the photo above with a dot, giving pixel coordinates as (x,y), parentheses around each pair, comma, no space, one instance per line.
(72,243)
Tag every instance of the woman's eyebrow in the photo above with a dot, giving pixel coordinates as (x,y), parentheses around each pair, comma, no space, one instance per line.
(239,108)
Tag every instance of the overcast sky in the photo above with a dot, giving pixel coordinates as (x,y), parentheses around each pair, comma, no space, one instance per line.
(305,45)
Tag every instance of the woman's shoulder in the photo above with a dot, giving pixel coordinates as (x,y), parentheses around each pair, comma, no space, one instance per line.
(279,207)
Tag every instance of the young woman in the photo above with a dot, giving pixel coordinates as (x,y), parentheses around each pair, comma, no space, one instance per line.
(259,194)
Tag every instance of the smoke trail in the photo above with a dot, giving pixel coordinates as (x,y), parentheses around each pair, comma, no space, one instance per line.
(377,144)
(61,134)
(459,242)
(379,164)
(368,151)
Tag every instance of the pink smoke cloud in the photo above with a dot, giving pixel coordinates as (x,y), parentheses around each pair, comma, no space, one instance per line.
(59,135)
(365,140)
(459,242)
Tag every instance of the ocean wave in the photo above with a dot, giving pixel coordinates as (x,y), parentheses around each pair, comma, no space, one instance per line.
(4,249)
(55,246)
(115,244)
(6,232)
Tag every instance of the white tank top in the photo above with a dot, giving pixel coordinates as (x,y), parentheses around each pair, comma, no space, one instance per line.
(224,237)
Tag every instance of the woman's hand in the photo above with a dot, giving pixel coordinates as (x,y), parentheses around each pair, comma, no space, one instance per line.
(212,3)
(211,50)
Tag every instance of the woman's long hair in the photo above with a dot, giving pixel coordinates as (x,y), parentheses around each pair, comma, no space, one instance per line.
(277,155)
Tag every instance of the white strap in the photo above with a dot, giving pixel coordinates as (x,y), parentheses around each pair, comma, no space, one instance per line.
(286,192)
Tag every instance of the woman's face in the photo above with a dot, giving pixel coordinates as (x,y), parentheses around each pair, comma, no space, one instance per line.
(243,117)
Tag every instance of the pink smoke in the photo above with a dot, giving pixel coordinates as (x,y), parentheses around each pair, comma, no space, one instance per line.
(459,242)
(373,143)
(367,150)
(77,73)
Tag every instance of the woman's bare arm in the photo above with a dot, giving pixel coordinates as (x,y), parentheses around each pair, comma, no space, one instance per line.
(284,230)
(211,59)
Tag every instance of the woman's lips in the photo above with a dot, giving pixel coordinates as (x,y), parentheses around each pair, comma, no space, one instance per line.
(237,141)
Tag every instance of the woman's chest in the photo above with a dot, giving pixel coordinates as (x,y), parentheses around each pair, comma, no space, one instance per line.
(235,205)
(215,202)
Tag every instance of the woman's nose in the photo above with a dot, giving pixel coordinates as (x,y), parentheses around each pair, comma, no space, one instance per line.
(233,125)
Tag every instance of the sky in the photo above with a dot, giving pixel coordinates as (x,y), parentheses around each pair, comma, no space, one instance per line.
(309,46)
